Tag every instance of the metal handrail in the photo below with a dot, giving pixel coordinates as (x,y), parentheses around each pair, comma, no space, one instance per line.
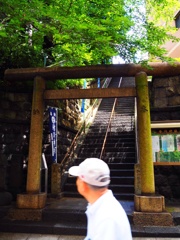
(109,123)
(108,127)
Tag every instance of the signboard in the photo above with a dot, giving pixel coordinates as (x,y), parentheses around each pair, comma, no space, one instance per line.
(83,100)
(156,146)
(166,147)
(53,119)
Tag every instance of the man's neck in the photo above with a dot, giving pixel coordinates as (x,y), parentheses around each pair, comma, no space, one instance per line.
(94,195)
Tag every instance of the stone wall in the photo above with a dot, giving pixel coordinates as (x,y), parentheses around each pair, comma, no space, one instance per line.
(15,117)
(165,106)
(167,181)
(15,114)
(165,98)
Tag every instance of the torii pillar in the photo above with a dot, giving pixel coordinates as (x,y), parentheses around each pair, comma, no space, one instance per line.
(33,198)
(149,207)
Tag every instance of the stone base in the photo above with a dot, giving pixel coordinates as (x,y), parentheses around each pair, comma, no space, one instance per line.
(31,201)
(152,219)
(25,214)
(152,203)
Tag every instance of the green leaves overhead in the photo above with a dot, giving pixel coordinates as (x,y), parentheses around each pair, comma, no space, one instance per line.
(80,32)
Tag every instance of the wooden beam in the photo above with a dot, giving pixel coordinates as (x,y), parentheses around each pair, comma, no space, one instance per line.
(89,93)
(115,70)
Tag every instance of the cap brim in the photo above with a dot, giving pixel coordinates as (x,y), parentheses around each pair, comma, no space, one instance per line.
(74,171)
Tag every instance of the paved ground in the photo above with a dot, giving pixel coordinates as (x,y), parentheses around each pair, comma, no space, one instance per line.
(23,236)
(17,232)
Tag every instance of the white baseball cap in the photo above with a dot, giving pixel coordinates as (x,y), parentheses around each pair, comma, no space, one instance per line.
(93,171)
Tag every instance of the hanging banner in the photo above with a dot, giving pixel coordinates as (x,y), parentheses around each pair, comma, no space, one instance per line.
(53,119)
(83,100)
(83,105)
(99,83)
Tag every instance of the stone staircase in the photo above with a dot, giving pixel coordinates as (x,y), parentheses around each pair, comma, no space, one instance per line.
(120,148)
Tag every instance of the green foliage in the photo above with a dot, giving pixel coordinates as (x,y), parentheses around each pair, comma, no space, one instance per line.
(153,26)
(39,33)
(169,156)
(62,84)
(68,83)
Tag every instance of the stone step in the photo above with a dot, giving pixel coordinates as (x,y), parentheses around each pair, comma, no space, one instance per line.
(108,150)
(124,196)
(122,166)
(110,156)
(112,137)
(114,124)
(110,144)
(109,160)
(120,155)
(122,172)
(122,189)
(64,215)
(122,180)
(44,227)
(119,196)
(122,135)
(117,189)
(111,140)
(79,229)
(120,160)
(116,180)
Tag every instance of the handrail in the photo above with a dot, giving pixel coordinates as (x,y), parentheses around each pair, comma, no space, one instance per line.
(71,148)
(70,151)
(109,123)
(107,130)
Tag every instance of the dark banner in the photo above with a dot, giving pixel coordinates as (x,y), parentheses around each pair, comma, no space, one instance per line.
(83,100)
(53,119)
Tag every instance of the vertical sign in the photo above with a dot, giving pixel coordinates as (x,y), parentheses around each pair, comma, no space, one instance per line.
(53,117)
(155,146)
(83,100)
(83,105)
(98,83)
(167,143)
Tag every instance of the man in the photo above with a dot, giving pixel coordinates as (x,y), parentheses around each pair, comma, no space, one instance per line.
(107,219)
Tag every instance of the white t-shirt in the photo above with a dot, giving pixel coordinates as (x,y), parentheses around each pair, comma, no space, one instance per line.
(107,220)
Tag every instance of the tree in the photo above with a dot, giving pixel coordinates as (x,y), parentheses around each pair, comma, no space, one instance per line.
(152,28)
(81,32)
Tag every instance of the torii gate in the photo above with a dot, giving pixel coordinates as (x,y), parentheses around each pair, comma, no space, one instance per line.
(146,201)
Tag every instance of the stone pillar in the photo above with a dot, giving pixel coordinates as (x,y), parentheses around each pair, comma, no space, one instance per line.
(144,135)
(33,198)
(149,207)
